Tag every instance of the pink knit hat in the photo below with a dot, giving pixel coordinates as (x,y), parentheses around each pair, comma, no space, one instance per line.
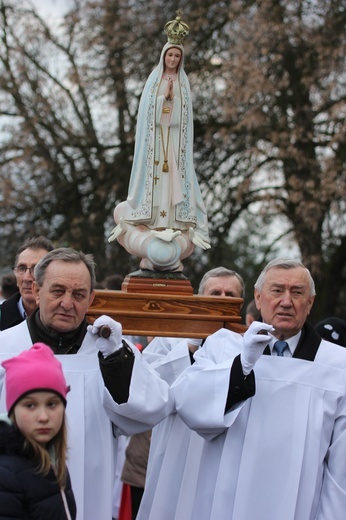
(33,369)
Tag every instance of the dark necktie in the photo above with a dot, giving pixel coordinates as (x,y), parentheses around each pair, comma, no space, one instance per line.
(280,346)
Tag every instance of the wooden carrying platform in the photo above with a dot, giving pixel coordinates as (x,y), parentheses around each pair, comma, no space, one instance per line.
(157,285)
(166,313)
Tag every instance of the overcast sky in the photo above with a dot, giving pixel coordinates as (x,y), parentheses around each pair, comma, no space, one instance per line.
(51,8)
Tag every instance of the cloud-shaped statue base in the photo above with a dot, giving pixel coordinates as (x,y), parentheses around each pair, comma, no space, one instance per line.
(159,250)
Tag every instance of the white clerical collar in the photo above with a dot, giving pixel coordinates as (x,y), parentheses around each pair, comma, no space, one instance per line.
(292,342)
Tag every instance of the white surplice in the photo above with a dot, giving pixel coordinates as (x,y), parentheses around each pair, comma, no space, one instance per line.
(92,437)
(280,455)
(175,450)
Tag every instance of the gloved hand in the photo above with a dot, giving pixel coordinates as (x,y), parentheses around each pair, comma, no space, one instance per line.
(194,344)
(254,344)
(107,346)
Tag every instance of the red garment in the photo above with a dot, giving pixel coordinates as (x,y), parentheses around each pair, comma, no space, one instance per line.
(125,510)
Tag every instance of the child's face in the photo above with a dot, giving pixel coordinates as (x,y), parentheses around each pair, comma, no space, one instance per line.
(39,416)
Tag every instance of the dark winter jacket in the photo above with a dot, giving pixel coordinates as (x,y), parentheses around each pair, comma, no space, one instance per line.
(9,312)
(24,493)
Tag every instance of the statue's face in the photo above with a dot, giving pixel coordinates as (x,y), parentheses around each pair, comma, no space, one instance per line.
(172,60)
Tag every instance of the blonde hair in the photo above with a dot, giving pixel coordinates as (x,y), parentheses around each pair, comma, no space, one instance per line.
(41,454)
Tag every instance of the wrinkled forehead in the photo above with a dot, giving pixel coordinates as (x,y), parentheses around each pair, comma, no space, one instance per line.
(32,256)
(67,274)
(226,283)
(292,277)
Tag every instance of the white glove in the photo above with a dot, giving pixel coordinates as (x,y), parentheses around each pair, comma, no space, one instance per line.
(193,344)
(107,346)
(254,344)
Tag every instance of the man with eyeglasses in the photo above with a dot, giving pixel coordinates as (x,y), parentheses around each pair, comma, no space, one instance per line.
(19,306)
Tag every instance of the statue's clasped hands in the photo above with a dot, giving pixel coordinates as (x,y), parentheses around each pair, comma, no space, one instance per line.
(169,90)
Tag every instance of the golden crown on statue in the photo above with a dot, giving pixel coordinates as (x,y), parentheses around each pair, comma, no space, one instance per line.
(176,30)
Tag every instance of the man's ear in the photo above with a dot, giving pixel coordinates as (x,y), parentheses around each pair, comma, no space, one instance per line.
(257,298)
(311,302)
(36,292)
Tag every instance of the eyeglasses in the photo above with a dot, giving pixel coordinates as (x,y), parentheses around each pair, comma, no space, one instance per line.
(22,269)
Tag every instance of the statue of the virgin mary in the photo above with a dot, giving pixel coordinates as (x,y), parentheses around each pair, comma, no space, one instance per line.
(164,216)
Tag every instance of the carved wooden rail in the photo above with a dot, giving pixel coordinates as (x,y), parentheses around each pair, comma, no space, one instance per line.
(176,315)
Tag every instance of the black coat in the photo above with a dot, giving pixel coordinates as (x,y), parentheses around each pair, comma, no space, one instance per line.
(9,312)
(25,494)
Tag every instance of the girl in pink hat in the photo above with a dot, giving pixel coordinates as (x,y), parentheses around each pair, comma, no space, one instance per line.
(34,480)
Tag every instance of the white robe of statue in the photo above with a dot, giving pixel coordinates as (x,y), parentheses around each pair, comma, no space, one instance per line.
(164,208)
